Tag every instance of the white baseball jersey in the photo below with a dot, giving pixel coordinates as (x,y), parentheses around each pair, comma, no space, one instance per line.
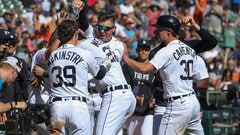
(39,95)
(201,68)
(100,50)
(117,105)
(176,65)
(68,71)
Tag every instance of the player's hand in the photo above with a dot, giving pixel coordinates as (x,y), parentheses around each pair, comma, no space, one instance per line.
(140,100)
(79,3)
(38,71)
(61,17)
(22,105)
(188,21)
(55,128)
(151,102)
(3,118)
(107,63)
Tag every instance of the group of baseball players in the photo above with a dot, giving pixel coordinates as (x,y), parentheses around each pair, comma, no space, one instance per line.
(91,93)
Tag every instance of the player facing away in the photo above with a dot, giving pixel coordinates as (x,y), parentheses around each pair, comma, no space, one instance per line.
(68,75)
(177,67)
(118,101)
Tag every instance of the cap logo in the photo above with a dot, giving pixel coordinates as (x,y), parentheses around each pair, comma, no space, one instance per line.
(144,42)
(6,32)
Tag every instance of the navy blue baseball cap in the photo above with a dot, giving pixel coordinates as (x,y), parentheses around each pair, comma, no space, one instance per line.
(143,43)
(5,35)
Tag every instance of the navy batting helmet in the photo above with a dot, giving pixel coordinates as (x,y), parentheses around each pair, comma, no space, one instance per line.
(168,21)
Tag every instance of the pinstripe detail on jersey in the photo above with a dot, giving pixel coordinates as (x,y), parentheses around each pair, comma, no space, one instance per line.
(165,131)
(106,115)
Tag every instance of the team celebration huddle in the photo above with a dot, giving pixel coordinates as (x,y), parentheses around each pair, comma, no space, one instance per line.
(93,80)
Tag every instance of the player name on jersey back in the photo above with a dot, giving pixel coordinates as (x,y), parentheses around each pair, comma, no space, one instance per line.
(183,50)
(65,55)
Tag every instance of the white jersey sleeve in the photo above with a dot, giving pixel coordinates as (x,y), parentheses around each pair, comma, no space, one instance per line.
(38,57)
(117,47)
(200,71)
(112,49)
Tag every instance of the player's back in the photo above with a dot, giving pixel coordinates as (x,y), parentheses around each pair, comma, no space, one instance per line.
(175,62)
(69,66)
(100,50)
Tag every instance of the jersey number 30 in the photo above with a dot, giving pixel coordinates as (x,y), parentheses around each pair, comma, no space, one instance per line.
(67,72)
(188,66)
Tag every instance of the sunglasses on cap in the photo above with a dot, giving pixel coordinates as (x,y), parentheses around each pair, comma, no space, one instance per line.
(105,28)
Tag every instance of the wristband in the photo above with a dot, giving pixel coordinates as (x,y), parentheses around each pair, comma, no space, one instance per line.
(11,105)
(45,74)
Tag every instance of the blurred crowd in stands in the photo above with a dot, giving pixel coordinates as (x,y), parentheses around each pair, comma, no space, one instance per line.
(34,21)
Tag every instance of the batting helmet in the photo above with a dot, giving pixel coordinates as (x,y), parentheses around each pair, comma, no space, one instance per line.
(168,21)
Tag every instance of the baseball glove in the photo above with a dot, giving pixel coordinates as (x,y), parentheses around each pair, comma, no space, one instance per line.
(36,82)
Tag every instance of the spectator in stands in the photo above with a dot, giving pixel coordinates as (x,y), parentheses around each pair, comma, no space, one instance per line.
(236,54)
(199,12)
(127,8)
(235,72)
(229,36)
(215,74)
(60,5)
(163,4)
(214,18)
(25,45)
(142,14)
(153,14)
(96,8)
(10,19)
(132,36)
(46,4)
(226,79)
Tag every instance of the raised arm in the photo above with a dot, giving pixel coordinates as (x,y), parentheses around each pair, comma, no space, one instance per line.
(82,16)
(207,42)
(54,41)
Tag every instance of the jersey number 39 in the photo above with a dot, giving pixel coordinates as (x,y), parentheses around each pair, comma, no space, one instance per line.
(67,73)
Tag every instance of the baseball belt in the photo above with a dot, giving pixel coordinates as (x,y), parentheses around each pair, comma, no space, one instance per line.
(119,87)
(83,99)
(171,99)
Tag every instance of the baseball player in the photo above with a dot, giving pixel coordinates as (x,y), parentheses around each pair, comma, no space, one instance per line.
(39,93)
(176,64)
(118,101)
(207,42)
(142,119)
(68,75)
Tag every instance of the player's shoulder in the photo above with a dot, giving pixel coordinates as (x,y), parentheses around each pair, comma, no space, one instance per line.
(200,60)
(115,43)
(39,54)
(41,51)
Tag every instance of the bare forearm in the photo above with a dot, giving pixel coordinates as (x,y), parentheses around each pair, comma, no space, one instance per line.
(53,45)
(139,66)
